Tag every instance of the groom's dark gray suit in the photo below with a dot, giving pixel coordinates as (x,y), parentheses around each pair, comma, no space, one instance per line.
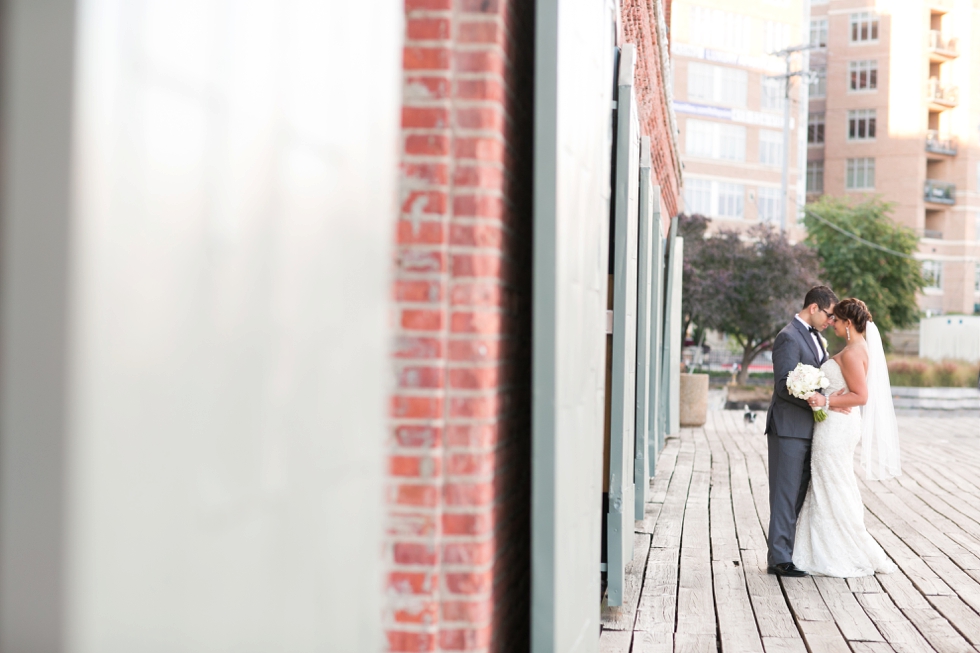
(789,427)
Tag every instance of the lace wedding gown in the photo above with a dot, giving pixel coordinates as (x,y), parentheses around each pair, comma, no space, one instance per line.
(831,539)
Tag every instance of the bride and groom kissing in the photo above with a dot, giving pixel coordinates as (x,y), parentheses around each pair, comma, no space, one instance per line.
(816,514)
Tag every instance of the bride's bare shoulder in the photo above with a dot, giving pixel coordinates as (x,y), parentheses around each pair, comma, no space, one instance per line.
(854,357)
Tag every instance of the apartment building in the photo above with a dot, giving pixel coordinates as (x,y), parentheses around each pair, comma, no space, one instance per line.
(729,103)
(895,112)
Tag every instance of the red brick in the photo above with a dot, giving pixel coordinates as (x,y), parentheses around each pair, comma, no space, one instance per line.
(480,89)
(476,611)
(432,202)
(416,377)
(418,612)
(426,87)
(418,291)
(428,29)
(411,524)
(479,293)
(469,582)
(403,642)
(475,407)
(476,322)
(476,235)
(415,553)
(464,639)
(485,118)
(470,464)
(415,260)
(474,378)
(418,436)
(427,144)
(431,5)
(479,6)
(418,347)
(413,582)
(468,494)
(425,118)
(429,173)
(426,496)
(426,58)
(474,350)
(484,31)
(482,149)
(478,206)
(479,176)
(421,232)
(422,319)
(414,466)
(477,265)
(479,61)
(472,435)
(466,523)
(416,407)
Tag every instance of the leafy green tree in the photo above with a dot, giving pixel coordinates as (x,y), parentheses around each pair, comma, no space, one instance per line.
(750,285)
(692,229)
(886,282)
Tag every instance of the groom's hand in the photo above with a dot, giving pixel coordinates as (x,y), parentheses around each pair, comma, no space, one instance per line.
(840,409)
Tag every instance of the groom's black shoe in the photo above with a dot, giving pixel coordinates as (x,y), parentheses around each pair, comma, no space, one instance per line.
(786,569)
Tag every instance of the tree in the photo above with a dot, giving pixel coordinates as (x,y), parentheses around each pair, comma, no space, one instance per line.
(886,282)
(750,286)
(692,228)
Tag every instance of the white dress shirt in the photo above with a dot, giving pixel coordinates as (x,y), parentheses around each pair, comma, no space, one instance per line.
(816,339)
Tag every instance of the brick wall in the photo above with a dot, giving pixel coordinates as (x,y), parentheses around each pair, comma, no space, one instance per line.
(459,530)
(639,22)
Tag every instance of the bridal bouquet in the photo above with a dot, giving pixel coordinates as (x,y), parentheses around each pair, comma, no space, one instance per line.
(803,382)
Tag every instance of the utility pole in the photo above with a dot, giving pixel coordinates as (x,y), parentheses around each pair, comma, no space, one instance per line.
(787,54)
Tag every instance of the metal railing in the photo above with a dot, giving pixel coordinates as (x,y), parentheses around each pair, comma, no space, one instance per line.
(932,233)
(934,143)
(938,44)
(940,192)
(939,94)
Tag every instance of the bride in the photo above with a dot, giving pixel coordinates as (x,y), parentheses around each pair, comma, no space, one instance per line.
(831,538)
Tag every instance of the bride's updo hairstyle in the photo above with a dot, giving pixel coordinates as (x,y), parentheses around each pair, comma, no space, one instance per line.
(854,310)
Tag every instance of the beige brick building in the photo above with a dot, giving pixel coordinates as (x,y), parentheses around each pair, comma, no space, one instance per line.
(895,112)
(730,110)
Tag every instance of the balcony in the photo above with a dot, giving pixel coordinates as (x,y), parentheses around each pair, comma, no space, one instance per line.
(941,49)
(941,97)
(940,192)
(938,145)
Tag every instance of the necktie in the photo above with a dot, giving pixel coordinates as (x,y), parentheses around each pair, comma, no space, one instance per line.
(820,344)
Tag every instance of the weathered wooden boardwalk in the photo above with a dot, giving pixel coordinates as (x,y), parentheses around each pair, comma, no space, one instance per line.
(698,581)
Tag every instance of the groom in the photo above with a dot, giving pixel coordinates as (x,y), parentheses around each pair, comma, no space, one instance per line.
(789,425)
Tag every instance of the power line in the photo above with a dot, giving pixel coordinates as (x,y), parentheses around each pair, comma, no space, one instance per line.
(849,234)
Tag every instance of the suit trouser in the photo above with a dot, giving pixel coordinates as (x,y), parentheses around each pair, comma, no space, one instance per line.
(789,479)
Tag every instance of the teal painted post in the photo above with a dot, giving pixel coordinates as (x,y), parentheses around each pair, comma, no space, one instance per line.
(619,518)
(655,438)
(663,424)
(676,336)
(641,463)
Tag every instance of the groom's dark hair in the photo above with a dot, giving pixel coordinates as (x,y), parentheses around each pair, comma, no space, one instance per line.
(822,296)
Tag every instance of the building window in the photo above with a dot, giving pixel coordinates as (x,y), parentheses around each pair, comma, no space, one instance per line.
(731,198)
(860,174)
(932,271)
(815,129)
(770,148)
(768,205)
(715,140)
(818,82)
(863,75)
(773,94)
(720,30)
(976,278)
(976,227)
(697,196)
(861,125)
(716,84)
(864,27)
(818,32)
(776,36)
(814,176)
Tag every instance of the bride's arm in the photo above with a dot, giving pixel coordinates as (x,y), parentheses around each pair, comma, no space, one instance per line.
(854,366)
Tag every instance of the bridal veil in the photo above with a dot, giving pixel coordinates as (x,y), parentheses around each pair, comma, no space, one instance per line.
(880,454)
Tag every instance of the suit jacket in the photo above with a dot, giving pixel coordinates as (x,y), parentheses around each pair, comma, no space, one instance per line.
(788,416)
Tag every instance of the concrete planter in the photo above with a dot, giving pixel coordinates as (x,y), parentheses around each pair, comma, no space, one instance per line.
(694,399)
(952,402)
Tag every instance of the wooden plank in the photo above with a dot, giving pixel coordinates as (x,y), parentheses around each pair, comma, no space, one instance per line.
(805,600)
(937,630)
(894,626)
(965,587)
(736,621)
(959,614)
(873,647)
(864,585)
(667,532)
(772,614)
(658,600)
(853,622)
(783,645)
(693,643)
(623,617)
(823,637)
(655,641)
(615,641)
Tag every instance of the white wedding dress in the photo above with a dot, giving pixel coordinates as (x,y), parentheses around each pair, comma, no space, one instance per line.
(831,539)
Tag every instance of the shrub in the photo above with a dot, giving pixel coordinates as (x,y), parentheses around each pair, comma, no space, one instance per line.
(908,373)
(923,373)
